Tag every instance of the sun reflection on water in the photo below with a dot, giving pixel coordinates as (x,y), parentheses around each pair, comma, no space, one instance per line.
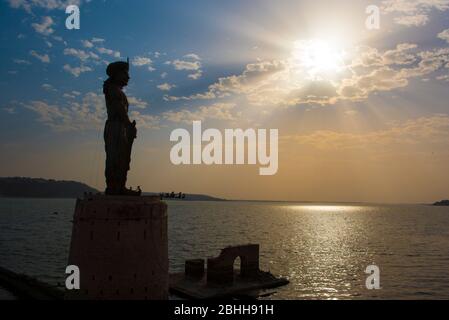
(326,208)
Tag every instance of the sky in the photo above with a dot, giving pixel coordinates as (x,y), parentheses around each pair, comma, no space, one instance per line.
(363,115)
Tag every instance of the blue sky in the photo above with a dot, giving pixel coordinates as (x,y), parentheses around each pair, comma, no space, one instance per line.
(370,100)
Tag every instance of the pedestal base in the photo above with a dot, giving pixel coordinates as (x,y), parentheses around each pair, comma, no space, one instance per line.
(120,246)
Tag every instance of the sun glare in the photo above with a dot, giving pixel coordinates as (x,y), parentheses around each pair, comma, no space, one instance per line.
(318,57)
(326,208)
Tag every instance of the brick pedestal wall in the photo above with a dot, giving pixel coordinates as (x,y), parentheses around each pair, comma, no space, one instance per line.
(120,245)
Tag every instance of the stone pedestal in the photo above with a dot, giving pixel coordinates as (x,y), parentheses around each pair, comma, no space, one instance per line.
(120,246)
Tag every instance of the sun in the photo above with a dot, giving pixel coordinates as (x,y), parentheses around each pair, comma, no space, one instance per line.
(318,57)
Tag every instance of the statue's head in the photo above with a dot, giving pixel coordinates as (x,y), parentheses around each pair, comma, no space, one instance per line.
(119,72)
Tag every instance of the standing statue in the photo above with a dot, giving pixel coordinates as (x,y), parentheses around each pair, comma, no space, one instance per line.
(119,131)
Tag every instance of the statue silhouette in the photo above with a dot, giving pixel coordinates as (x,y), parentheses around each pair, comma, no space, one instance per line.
(119,131)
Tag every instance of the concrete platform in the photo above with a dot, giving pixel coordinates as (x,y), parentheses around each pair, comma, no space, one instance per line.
(191,288)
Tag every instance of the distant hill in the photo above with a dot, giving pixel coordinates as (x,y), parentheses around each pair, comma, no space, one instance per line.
(41,188)
(19,187)
(442,203)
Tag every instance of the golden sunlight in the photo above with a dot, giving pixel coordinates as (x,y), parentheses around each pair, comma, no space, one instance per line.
(318,57)
(327,208)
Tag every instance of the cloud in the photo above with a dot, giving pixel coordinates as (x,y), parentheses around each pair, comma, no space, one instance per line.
(198,96)
(412,21)
(68,96)
(400,55)
(42,57)
(141,61)
(250,82)
(98,40)
(157,54)
(444,35)
(87,44)
(216,111)
(115,54)
(386,78)
(28,5)
(88,114)
(76,71)
(166,86)
(413,12)
(44,27)
(191,62)
(185,65)
(192,56)
(196,75)
(135,102)
(60,39)
(382,79)
(80,54)
(20,61)
(286,82)
(71,95)
(372,57)
(48,87)
(145,121)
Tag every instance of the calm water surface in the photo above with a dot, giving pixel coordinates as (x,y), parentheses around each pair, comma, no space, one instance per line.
(322,249)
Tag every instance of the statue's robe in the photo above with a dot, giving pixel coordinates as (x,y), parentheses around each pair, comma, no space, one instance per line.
(119,135)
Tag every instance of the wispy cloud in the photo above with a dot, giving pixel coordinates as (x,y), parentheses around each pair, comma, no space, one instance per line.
(87,114)
(76,71)
(45,27)
(216,111)
(413,12)
(21,61)
(138,103)
(190,62)
(48,87)
(166,86)
(28,5)
(109,52)
(80,54)
(444,35)
(42,57)
(141,61)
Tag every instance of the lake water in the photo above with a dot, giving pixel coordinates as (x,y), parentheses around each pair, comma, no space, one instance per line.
(323,249)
